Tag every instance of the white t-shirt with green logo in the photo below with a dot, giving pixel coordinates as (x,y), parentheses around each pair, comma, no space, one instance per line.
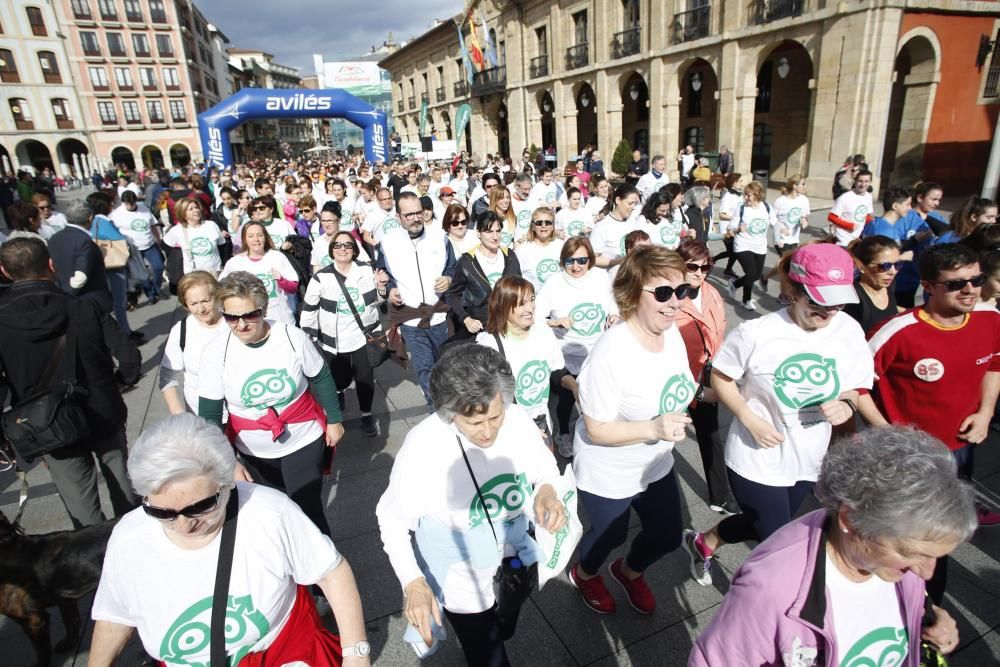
(876,637)
(429,480)
(784,373)
(789,214)
(586,301)
(574,223)
(135,225)
(523,211)
(379,222)
(539,262)
(532,359)
(758,219)
(200,248)
(623,381)
(277,299)
(855,208)
(279,230)
(254,379)
(165,592)
(667,232)
(608,236)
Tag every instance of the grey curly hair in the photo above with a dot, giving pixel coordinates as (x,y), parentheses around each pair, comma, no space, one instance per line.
(467,378)
(898,483)
(241,285)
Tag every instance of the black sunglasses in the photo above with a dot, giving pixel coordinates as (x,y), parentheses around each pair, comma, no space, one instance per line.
(960,283)
(882,267)
(542,223)
(570,261)
(699,268)
(664,292)
(456,223)
(249,318)
(343,246)
(196,509)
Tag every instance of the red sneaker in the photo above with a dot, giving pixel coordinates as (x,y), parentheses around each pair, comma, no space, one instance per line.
(986,517)
(595,594)
(638,593)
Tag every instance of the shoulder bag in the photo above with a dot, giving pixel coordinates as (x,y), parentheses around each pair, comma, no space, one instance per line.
(223,569)
(376,344)
(115,253)
(513,581)
(705,379)
(47,420)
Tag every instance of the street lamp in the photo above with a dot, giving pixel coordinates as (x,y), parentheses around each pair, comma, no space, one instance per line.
(696,82)
(502,112)
(783,67)
(584,101)
(546,105)
(633,92)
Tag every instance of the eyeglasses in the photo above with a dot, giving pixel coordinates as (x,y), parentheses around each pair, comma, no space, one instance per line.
(250,318)
(960,283)
(343,246)
(456,223)
(489,186)
(664,292)
(305,210)
(542,223)
(196,509)
(570,261)
(883,267)
(410,216)
(258,208)
(699,268)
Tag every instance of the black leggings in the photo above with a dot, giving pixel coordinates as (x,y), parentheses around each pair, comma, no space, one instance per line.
(729,253)
(299,475)
(565,401)
(763,509)
(705,418)
(480,637)
(753,268)
(354,365)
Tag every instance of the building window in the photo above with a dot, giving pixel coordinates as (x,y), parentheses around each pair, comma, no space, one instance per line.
(695,137)
(8,68)
(157,12)
(116,44)
(21,113)
(107,10)
(98,78)
(170,78)
(177,111)
(211,84)
(763,102)
(133,11)
(60,109)
(155,109)
(131,112)
(123,77)
(206,56)
(140,44)
(147,76)
(164,46)
(81,9)
(542,40)
(580,27)
(36,21)
(89,42)
(107,113)
(50,67)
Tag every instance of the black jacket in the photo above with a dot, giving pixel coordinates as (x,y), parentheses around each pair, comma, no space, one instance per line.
(73,250)
(470,291)
(694,218)
(33,315)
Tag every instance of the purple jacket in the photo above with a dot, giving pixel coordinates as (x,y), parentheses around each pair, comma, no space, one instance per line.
(776,610)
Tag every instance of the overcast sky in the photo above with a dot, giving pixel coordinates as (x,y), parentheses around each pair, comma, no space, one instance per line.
(337,29)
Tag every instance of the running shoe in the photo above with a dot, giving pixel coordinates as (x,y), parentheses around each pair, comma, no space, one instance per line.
(763,284)
(727,508)
(748,305)
(595,594)
(731,286)
(369,426)
(636,590)
(701,565)
(987,518)
(564,443)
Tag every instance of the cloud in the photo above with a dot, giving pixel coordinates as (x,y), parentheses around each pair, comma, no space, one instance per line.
(337,29)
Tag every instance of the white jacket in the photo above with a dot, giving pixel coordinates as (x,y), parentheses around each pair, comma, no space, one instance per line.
(326,316)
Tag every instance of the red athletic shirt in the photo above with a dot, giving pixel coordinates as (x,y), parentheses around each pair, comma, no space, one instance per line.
(931,376)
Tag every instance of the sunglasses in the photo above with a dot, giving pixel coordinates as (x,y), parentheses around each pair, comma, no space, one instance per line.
(883,267)
(342,246)
(829,309)
(250,318)
(960,283)
(305,210)
(542,223)
(196,509)
(258,208)
(456,223)
(698,268)
(664,292)
(570,261)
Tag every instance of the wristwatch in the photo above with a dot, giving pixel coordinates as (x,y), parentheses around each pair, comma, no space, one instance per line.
(359,650)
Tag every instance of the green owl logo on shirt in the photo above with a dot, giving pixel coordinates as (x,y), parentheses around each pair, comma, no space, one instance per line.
(884,647)
(587,318)
(757,226)
(139,225)
(346,221)
(189,635)
(270,284)
(794,215)
(277,240)
(506,238)
(575,228)
(270,387)
(524,220)
(861,213)
(344,308)
(502,494)
(546,268)
(806,379)
(670,232)
(390,224)
(494,277)
(677,394)
(531,386)
(201,246)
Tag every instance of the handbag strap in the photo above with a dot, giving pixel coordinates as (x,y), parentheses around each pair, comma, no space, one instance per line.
(354,311)
(479,492)
(65,349)
(220,598)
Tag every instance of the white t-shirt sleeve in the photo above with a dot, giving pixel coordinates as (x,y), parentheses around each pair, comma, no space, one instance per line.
(173,237)
(399,511)
(310,553)
(285,268)
(212,384)
(173,358)
(599,393)
(111,603)
(733,358)
(312,360)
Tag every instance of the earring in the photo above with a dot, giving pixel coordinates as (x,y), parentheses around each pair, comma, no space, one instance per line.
(844,530)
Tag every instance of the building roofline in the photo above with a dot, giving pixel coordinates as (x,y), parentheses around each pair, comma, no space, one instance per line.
(445,26)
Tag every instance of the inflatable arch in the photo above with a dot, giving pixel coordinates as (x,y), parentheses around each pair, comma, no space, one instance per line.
(253,103)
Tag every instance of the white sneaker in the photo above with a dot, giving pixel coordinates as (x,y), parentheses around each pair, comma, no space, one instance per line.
(701,567)
(748,305)
(564,443)
(731,283)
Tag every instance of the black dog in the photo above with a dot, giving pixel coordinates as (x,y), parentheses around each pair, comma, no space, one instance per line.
(50,570)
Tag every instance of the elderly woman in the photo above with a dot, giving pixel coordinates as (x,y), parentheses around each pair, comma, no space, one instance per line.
(634,390)
(892,504)
(476,446)
(281,397)
(160,568)
(188,339)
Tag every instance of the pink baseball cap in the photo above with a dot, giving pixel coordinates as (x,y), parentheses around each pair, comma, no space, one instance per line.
(827,273)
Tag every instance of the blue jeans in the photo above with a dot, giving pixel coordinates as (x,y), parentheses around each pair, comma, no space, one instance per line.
(659,511)
(425,348)
(118,282)
(155,259)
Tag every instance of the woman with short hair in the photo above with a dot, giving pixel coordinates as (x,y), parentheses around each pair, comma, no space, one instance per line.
(538,254)
(260,259)
(455,224)
(476,438)
(749,225)
(697,220)
(847,582)
(161,563)
(634,390)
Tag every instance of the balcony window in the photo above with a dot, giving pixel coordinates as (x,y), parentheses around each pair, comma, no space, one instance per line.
(8,68)
(577,56)
(50,67)
(765,11)
(177,111)
(462,87)
(36,21)
(412,102)
(60,109)
(21,113)
(157,12)
(626,43)
(993,73)
(540,66)
(123,77)
(147,77)
(133,11)
(106,110)
(692,24)
(140,44)
(489,81)
(164,46)
(424,97)
(170,78)
(131,112)
(116,45)
(155,109)
(88,40)
(439,94)
(400,106)
(81,10)
(107,10)
(98,78)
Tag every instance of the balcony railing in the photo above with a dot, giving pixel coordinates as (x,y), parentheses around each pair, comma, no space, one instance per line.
(626,43)
(424,97)
(540,66)
(157,16)
(692,24)
(64,123)
(21,124)
(578,56)
(992,79)
(765,11)
(439,94)
(489,81)
(411,102)
(400,106)
(461,88)
(133,16)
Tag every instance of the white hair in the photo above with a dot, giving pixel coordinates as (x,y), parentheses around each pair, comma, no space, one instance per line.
(177,448)
(467,378)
